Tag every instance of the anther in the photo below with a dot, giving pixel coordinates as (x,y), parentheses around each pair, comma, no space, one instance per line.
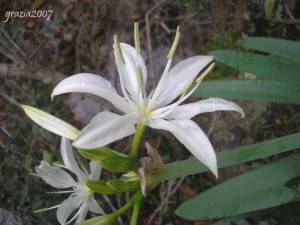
(174,45)
(139,76)
(137,37)
(205,73)
(118,48)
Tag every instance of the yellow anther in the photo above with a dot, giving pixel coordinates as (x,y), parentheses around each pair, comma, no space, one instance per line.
(186,87)
(118,48)
(174,45)
(204,74)
(139,76)
(137,37)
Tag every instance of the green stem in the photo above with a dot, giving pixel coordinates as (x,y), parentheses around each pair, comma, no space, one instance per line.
(136,208)
(132,201)
(136,142)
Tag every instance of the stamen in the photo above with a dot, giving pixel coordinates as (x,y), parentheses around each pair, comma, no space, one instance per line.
(186,87)
(60,192)
(77,213)
(139,76)
(118,48)
(43,210)
(205,73)
(137,38)
(174,45)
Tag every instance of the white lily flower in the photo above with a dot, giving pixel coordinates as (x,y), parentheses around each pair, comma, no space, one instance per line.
(160,109)
(82,198)
(51,123)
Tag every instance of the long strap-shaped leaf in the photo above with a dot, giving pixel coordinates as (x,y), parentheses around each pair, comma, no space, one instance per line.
(264,90)
(269,67)
(229,158)
(257,189)
(275,46)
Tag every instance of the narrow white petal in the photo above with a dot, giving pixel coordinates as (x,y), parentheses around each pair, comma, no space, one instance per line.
(105,128)
(82,214)
(93,205)
(51,123)
(95,169)
(54,176)
(67,154)
(179,77)
(129,69)
(188,111)
(68,206)
(91,84)
(192,137)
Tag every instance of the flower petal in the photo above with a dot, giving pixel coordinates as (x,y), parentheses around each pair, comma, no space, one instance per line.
(188,111)
(128,71)
(91,84)
(82,214)
(68,206)
(94,206)
(54,176)
(66,151)
(51,123)
(192,137)
(105,128)
(173,82)
(95,169)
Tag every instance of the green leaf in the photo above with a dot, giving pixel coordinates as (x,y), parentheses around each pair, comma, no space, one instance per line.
(123,186)
(111,160)
(27,161)
(106,219)
(100,187)
(254,190)
(265,90)
(231,157)
(274,68)
(117,164)
(48,156)
(284,215)
(97,154)
(275,46)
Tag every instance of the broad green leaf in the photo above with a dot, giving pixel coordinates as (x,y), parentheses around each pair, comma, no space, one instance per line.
(231,157)
(288,214)
(265,90)
(275,46)
(100,187)
(269,67)
(254,190)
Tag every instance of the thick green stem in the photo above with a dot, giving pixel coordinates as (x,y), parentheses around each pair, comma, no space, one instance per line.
(135,144)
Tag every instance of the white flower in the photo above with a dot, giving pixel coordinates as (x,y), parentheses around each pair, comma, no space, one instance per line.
(82,198)
(160,109)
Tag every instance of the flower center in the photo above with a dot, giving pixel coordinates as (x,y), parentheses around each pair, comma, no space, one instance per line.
(84,189)
(145,112)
